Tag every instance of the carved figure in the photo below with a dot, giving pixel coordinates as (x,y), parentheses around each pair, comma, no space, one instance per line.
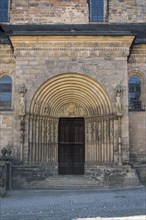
(37,107)
(71,109)
(118,104)
(22,104)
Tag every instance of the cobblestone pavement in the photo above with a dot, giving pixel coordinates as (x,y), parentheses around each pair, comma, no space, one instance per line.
(79,204)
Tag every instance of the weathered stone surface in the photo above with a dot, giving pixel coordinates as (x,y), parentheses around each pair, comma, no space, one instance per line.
(29,175)
(127,11)
(75,11)
(57,11)
(137,133)
(106,60)
(46,177)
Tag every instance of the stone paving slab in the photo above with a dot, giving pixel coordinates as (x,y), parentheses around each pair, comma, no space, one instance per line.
(77,204)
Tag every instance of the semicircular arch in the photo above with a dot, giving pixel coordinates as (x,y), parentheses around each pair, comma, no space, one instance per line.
(58,94)
(136,73)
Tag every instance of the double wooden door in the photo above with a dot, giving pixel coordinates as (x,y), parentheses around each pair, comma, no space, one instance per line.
(71,152)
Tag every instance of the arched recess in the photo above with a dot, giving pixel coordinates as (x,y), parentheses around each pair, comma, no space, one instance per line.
(64,91)
(70,95)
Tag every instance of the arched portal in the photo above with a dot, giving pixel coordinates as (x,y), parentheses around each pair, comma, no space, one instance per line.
(71,90)
(71,96)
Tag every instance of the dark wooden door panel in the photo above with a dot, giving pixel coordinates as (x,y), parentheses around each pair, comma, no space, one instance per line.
(71,146)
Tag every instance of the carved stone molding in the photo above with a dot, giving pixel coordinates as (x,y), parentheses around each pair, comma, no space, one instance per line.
(86,46)
(137,59)
(72,52)
(70,44)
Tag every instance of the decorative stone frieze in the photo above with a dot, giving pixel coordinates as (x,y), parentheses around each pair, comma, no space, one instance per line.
(138,54)
(64,52)
(71,46)
(137,59)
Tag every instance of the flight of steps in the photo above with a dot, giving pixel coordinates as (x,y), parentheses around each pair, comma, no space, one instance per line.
(69,181)
(35,177)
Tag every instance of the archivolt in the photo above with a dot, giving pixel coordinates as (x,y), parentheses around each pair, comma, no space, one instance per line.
(71,88)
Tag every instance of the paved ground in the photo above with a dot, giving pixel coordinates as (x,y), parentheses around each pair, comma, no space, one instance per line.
(81,204)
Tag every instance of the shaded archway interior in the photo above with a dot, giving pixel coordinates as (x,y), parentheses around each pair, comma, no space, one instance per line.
(58,94)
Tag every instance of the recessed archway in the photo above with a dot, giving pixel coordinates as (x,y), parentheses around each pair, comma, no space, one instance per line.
(61,93)
(76,96)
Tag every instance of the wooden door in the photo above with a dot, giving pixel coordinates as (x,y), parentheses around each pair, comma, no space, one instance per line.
(71,146)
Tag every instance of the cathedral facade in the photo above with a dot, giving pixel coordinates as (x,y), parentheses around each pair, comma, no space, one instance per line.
(73,89)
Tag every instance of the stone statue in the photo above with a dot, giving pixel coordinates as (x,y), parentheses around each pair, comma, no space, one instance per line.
(22,104)
(118,104)
(22,91)
(37,107)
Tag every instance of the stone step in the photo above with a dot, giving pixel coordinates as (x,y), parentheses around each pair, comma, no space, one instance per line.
(68,182)
(71,180)
(75,182)
(35,178)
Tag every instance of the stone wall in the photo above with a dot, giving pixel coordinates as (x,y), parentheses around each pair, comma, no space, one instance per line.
(53,11)
(39,59)
(9,120)
(75,11)
(9,133)
(7,67)
(127,11)
(137,66)
(6,131)
(137,120)
(137,60)
(137,131)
